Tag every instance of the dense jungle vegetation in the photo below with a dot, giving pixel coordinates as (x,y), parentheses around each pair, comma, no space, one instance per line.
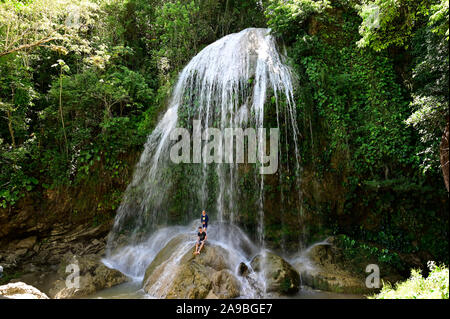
(82,84)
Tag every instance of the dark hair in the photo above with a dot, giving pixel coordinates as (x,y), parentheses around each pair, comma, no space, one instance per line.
(200,227)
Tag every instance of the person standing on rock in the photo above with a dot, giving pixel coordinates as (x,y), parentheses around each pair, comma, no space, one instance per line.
(204,220)
(200,241)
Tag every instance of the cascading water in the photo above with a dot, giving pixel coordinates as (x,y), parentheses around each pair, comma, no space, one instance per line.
(226,85)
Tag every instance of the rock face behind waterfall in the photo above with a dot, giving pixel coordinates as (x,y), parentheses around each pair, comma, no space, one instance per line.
(280,276)
(177,273)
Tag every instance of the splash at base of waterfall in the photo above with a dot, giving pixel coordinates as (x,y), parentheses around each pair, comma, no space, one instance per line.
(133,260)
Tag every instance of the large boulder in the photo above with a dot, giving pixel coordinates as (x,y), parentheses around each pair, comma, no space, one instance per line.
(20,290)
(322,267)
(176,272)
(93,276)
(280,276)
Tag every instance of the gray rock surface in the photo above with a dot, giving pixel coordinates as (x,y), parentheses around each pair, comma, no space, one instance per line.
(20,290)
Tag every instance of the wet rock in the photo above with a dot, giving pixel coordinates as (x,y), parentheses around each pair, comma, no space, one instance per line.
(20,290)
(243,269)
(224,285)
(281,277)
(163,255)
(322,268)
(93,276)
(177,273)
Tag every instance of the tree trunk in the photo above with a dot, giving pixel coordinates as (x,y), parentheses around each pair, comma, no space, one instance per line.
(10,127)
(61,112)
(444,152)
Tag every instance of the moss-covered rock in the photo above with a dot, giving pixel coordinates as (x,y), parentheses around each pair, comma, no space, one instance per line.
(326,270)
(280,276)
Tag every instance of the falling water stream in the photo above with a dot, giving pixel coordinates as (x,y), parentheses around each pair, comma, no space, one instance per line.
(226,85)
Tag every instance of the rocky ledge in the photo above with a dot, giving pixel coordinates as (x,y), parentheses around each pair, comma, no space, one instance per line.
(43,262)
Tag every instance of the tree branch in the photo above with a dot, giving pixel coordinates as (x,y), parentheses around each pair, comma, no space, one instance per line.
(27,46)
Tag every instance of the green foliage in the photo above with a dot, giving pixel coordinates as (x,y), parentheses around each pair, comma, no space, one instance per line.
(435,286)
(389,22)
(438,20)
(79,80)
(355,93)
(63,25)
(176,33)
(356,251)
(288,17)
(181,28)
(101,112)
(423,27)
(370,114)
(392,23)
(15,175)
(352,115)
(77,106)
(430,95)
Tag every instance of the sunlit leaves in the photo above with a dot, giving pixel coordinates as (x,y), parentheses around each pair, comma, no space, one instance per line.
(388,23)
(55,23)
(285,17)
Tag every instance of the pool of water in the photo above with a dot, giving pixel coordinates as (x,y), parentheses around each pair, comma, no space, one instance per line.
(133,290)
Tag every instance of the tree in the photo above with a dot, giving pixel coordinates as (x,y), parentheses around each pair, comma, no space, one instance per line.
(40,23)
(388,23)
(423,27)
(444,150)
(63,67)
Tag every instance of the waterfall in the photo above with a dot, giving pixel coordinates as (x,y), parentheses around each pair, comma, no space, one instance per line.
(226,85)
